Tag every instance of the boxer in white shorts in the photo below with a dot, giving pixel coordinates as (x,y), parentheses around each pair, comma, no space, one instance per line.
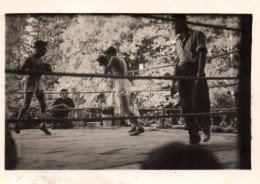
(117,66)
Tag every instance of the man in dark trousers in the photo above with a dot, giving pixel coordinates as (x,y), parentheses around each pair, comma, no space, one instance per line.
(194,94)
(63,107)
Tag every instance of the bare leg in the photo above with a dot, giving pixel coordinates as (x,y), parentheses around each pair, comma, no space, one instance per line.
(137,128)
(41,98)
(124,102)
(23,109)
(26,105)
(129,123)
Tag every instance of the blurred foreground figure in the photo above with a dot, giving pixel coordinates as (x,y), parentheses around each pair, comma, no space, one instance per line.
(181,156)
(10,152)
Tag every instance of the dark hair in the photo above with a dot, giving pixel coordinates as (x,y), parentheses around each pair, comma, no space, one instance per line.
(64,90)
(40,43)
(102,58)
(181,156)
(111,50)
(179,17)
(100,96)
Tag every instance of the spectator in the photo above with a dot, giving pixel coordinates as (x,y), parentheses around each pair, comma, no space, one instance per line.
(101,99)
(147,122)
(32,115)
(63,107)
(10,152)
(169,122)
(89,114)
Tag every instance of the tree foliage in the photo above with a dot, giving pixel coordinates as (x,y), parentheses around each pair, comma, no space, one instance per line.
(76,41)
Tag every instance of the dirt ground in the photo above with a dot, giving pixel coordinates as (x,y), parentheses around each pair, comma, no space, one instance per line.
(107,148)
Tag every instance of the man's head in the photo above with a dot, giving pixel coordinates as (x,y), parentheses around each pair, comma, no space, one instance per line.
(103,60)
(64,93)
(40,47)
(101,98)
(179,25)
(110,52)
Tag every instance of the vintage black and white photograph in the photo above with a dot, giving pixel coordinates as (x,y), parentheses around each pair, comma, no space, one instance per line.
(127,91)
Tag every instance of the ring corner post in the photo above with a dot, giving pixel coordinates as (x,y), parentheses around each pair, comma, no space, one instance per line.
(245,92)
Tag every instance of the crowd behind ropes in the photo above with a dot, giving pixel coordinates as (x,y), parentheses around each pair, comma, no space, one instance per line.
(226,123)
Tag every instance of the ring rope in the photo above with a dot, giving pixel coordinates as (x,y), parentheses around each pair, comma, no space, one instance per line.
(189,22)
(117,118)
(224,85)
(11,71)
(140,108)
(147,69)
(224,54)
(209,58)
(149,91)
(145,91)
(78,92)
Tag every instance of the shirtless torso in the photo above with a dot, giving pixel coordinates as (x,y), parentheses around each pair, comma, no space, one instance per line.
(33,81)
(118,67)
(33,84)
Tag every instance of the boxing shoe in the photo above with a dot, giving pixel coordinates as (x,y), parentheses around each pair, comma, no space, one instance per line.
(132,129)
(195,140)
(137,131)
(206,137)
(44,129)
(17,128)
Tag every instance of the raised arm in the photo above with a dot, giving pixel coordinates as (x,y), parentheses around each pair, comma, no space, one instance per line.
(109,65)
(25,64)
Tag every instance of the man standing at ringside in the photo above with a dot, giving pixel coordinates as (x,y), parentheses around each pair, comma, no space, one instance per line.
(116,65)
(33,83)
(194,94)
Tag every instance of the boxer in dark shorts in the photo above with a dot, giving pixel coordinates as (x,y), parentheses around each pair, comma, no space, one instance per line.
(33,83)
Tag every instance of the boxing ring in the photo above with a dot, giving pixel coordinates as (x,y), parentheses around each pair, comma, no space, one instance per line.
(111,147)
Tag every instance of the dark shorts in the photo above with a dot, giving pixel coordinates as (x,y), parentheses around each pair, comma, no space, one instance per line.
(33,86)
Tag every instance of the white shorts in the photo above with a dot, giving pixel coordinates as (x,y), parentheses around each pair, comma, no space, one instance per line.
(122,87)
